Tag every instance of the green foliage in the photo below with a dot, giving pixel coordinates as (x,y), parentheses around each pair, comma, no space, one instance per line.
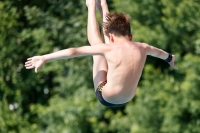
(60,98)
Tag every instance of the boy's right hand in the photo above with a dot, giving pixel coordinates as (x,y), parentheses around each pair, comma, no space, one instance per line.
(34,62)
(171,63)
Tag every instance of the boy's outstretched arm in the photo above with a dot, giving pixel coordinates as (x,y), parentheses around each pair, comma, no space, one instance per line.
(37,61)
(159,53)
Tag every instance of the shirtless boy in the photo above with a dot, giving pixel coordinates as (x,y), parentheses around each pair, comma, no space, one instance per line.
(117,63)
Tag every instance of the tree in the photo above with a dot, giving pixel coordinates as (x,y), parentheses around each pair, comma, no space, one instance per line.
(60,98)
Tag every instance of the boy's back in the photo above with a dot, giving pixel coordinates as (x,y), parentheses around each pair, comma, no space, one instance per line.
(125,62)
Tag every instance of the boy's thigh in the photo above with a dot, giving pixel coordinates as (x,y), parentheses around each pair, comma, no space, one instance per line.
(100,77)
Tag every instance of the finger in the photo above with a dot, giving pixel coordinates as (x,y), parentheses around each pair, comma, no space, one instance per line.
(29,67)
(28,62)
(36,69)
(176,68)
(29,59)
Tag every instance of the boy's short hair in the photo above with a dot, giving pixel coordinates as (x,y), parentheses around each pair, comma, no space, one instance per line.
(117,24)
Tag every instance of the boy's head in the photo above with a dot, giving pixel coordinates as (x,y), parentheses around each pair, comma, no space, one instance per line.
(117,24)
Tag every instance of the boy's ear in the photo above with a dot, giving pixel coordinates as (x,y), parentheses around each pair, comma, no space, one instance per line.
(111,37)
(131,37)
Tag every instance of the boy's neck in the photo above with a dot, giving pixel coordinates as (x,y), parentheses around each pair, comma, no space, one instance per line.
(121,39)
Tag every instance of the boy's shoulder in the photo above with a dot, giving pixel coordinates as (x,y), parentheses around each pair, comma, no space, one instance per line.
(141,44)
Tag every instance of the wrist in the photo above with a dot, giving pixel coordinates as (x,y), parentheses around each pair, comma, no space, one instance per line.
(43,58)
(169,58)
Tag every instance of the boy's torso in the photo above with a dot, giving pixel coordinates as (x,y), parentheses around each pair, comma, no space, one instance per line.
(125,65)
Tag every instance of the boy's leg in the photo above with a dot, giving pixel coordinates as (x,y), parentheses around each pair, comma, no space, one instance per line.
(103,9)
(100,66)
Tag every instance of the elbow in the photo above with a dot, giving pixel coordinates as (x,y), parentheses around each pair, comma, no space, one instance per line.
(72,52)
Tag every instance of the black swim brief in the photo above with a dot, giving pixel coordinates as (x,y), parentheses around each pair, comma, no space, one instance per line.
(100,97)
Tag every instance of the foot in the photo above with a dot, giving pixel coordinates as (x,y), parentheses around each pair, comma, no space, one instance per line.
(103,2)
(94,3)
(90,3)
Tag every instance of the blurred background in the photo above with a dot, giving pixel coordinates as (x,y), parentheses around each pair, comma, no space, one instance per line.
(60,98)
